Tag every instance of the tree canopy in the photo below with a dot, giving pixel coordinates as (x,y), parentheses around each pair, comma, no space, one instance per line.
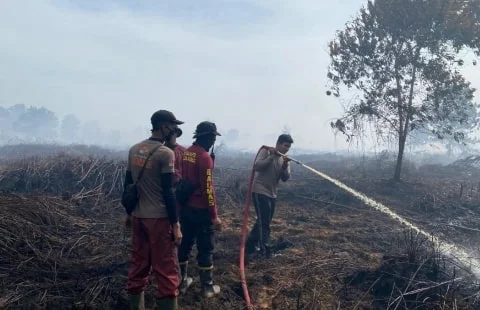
(403,57)
(38,123)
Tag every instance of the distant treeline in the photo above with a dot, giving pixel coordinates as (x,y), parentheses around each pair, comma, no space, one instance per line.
(29,124)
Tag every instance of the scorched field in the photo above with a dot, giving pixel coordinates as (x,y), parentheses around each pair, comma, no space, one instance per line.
(63,244)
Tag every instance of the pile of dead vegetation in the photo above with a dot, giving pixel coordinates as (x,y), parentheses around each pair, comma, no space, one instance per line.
(69,176)
(53,257)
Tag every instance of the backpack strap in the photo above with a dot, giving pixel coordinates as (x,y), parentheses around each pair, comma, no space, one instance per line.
(146,160)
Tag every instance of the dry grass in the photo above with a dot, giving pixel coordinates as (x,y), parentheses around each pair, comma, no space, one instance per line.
(63,244)
(52,255)
(72,177)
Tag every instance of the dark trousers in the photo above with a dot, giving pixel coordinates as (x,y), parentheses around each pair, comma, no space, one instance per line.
(197,228)
(265,209)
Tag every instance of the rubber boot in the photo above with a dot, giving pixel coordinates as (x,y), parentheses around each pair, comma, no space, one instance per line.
(186,281)
(267,251)
(209,289)
(250,246)
(167,303)
(137,302)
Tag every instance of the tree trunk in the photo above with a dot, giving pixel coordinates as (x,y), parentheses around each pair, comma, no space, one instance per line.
(404,127)
(401,147)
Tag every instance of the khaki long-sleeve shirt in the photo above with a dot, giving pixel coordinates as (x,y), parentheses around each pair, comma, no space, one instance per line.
(268,173)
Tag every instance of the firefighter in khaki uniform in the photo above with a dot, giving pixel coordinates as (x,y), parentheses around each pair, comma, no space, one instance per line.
(199,216)
(155,228)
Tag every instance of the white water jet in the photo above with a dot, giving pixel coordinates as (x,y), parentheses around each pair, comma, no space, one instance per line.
(449,249)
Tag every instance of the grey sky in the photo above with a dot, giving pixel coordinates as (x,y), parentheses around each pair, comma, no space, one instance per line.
(251,65)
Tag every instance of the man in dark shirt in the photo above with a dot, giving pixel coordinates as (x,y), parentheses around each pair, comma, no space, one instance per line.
(199,216)
(155,226)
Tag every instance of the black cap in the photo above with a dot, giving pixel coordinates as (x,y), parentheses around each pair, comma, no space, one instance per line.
(205,128)
(164,116)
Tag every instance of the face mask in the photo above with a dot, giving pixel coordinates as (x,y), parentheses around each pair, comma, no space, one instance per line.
(171,132)
(212,154)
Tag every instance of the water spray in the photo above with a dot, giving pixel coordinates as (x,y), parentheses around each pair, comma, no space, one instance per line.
(448,249)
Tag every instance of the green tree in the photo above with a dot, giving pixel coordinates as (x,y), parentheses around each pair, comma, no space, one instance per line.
(402,56)
(465,123)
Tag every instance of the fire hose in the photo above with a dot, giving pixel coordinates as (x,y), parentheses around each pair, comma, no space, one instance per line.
(245,226)
(450,249)
(243,239)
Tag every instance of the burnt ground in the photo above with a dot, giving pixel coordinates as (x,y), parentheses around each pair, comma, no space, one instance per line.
(62,249)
